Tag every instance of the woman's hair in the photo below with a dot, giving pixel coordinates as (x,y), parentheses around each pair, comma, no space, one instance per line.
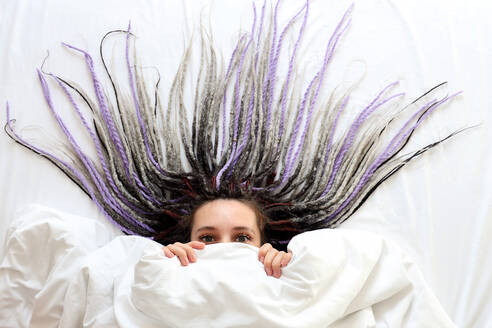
(256,132)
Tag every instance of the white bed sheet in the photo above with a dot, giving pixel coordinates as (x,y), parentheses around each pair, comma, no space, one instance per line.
(439,208)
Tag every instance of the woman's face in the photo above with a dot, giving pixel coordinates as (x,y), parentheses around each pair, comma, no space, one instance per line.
(225,221)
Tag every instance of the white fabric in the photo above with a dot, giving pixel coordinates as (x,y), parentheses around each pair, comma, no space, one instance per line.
(336,278)
(438,209)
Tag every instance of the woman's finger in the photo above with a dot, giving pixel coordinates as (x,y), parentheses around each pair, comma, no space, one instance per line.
(263,251)
(167,252)
(272,252)
(196,244)
(276,263)
(190,253)
(286,259)
(180,253)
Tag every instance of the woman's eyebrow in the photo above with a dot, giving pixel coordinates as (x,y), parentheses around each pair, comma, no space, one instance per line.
(206,228)
(245,228)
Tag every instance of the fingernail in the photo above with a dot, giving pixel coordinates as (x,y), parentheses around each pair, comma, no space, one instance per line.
(261,259)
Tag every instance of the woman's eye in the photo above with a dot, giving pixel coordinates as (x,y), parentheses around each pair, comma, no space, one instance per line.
(243,238)
(207,239)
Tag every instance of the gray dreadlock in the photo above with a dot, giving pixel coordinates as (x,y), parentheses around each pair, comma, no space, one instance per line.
(252,136)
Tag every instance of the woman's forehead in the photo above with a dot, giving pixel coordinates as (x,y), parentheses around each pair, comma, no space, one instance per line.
(228,212)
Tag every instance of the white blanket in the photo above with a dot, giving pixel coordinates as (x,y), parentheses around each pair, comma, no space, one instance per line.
(68,271)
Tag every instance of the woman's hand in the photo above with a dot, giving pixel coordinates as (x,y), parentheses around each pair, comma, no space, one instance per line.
(184,252)
(273,260)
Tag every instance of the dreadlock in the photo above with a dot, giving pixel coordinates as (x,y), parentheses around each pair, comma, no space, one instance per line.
(251,135)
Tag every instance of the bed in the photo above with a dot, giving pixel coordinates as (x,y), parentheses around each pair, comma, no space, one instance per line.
(438,209)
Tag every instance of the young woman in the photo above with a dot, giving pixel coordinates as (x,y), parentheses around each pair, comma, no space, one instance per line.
(256,132)
(225,221)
